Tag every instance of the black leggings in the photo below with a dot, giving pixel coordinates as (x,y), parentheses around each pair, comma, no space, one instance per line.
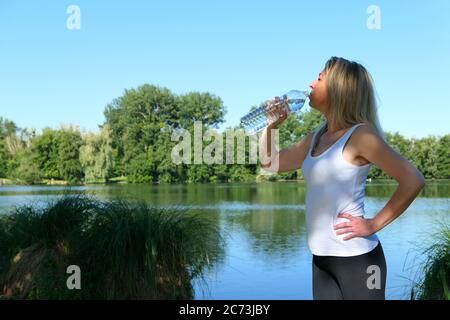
(361,277)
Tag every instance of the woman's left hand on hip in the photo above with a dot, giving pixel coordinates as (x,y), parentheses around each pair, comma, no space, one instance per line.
(356,227)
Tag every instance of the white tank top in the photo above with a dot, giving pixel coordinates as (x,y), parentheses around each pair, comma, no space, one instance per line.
(333,186)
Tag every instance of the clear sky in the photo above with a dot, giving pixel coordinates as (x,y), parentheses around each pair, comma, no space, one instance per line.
(243,51)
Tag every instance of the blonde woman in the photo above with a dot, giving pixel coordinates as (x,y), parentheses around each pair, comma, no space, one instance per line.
(348,259)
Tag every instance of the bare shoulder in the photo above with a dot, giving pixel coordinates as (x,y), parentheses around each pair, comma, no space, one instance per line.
(374,149)
(367,144)
(366,129)
(366,136)
(364,140)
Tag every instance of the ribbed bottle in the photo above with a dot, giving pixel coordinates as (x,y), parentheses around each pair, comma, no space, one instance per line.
(256,120)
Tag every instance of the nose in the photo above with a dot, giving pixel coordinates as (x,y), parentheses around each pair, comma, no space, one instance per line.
(312,85)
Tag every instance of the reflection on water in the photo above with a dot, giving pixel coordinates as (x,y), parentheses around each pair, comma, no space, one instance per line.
(267,255)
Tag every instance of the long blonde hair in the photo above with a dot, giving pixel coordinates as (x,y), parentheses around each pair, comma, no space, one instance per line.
(351,95)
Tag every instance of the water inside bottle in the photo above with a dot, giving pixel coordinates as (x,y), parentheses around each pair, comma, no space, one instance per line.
(256,120)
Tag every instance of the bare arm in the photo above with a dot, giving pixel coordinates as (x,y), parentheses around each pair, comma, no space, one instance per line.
(411,181)
(288,159)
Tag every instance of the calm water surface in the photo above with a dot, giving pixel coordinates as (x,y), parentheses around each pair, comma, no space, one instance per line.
(266,254)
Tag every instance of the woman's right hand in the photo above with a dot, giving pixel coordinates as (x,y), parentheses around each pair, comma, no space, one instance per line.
(276,114)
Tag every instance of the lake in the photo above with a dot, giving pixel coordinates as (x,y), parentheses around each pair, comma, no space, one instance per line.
(264,226)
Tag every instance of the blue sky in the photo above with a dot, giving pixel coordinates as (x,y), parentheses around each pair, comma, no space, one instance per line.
(242,51)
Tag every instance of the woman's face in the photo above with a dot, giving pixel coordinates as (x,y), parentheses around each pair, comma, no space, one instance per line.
(318,99)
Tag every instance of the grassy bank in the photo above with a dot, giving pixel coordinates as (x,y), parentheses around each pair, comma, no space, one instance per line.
(124,250)
(5,181)
(434,280)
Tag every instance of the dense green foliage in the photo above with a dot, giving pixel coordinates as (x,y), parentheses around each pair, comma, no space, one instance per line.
(135,144)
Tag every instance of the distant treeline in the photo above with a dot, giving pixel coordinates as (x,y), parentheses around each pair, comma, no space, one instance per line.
(134,143)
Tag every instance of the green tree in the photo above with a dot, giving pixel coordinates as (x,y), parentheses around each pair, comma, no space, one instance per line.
(96,155)
(443,154)
(69,143)
(13,143)
(142,121)
(135,120)
(7,127)
(166,170)
(196,106)
(45,146)
(25,168)
(426,155)
(141,168)
(3,159)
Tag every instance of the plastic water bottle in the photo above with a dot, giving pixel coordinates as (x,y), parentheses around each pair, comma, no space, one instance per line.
(257,120)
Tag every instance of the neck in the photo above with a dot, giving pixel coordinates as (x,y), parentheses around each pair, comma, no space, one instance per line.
(331,125)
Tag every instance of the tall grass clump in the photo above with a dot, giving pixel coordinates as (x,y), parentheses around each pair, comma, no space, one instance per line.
(434,283)
(38,244)
(4,248)
(137,251)
(124,250)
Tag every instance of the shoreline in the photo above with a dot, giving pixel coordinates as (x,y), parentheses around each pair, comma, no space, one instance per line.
(122,180)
